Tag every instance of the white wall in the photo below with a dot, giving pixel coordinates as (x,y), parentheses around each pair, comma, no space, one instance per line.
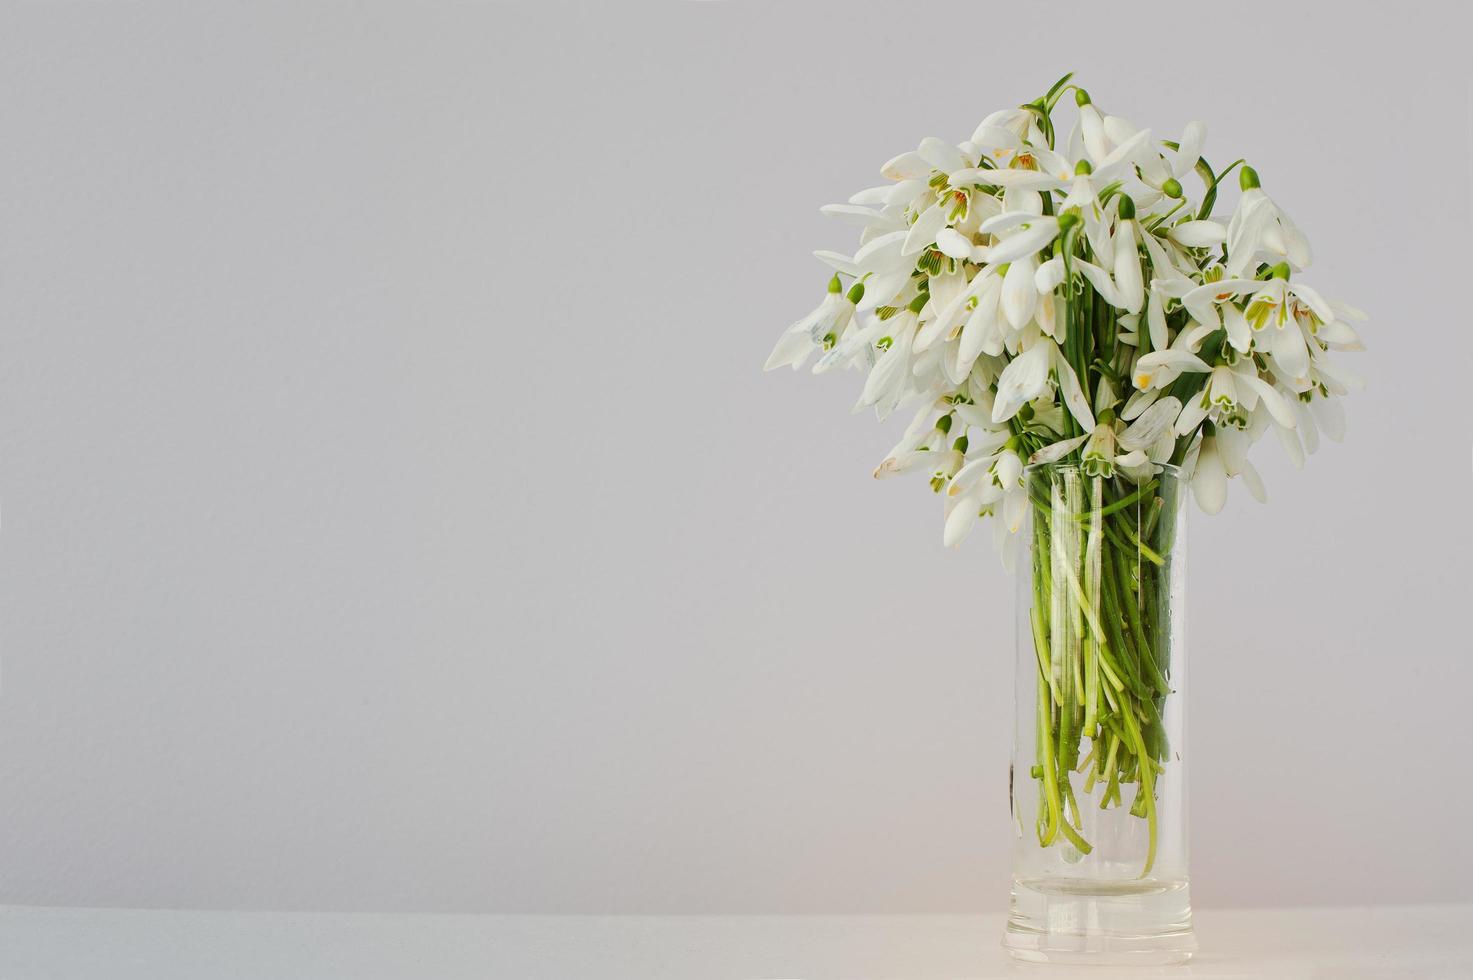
(396,516)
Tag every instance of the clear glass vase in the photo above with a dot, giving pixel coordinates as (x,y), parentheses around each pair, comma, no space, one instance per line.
(1098,772)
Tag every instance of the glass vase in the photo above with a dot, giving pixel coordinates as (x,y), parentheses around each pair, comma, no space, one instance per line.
(1098,771)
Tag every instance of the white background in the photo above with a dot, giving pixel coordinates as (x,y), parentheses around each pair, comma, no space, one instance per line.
(396,517)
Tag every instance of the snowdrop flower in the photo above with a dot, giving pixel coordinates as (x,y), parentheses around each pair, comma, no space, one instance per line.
(1261,232)
(1128,281)
(820,329)
(1021,235)
(1290,313)
(1027,377)
(993,480)
(1152,433)
(883,268)
(1209,477)
(889,380)
(1102,454)
(1198,234)
(1160,368)
(1159,168)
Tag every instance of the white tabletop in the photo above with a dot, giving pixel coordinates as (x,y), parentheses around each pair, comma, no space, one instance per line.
(1429,941)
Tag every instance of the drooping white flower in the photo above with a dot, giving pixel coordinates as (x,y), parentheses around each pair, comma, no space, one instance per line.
(890,378)
(886,268)
(1160,368)
(1198,234)
(823,327)
(1163,165)
(1260,232)
(1209,477)
(1101,453)
(1022,234)
(1027,377)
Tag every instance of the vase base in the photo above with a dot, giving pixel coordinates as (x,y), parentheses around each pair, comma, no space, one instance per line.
(1131,923)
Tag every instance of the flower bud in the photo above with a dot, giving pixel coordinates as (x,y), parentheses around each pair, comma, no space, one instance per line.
(1172,188)
(834,284)
(1082,168)
(1248,178)
(1126,207)
(960,445)
(1081,97)
(1280,271)
(856,293)
(944,423)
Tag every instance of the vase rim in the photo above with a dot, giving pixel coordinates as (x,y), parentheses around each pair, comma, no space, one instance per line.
(1170,469)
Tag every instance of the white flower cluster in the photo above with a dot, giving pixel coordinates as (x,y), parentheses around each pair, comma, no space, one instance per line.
(1044,303)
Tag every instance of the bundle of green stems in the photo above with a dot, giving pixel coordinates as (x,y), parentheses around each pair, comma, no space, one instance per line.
(1101,552)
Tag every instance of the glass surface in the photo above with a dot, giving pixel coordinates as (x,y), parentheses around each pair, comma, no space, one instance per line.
(1098,777)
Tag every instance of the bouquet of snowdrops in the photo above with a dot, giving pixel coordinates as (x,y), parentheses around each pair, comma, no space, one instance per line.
(1077,299)
(1043,299)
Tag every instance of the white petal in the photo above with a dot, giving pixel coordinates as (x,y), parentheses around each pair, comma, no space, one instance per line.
(837,261)
(1180,360)
(872,195)
(1092,128)
(1290,354)
(1190,147)
(1150,424)
(1289,439)
(1329,414)
(1128,268)
(1056,451)
(1191,338)
(906,166)
(902,194)
(1239,333)
(1014,199)
(1014,509)
(1069,387)
(793,348)
(1232,448)
(1340,335)
(1049,275)
(1193,411)
(1198,234)
(1019,294)
(953,243)
(1156,320)
(880,290)
(1101,281)
(941,155)
(1123,155)
(1138,402)
(1209,479)
(1313,300)
(1272,400)
(1119,129)
(1024,243)
(923,232)
(882,254)
(1254,483)
(961,519)
(1005,221)
(1023,380)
